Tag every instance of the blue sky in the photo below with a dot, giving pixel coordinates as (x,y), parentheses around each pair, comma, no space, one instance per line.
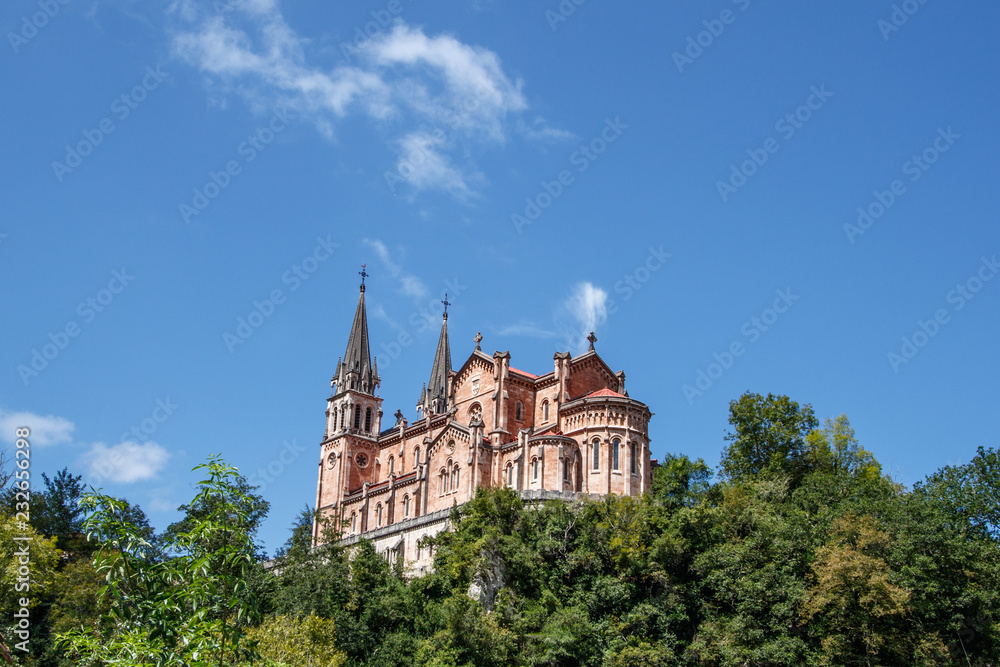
(684,178)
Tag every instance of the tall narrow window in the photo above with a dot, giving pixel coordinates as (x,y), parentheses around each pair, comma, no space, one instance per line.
(416,457)
(406,506)
(631,456)
(534,469)
(392,465)
(597,454)
(354,522)
(357,416)
(444,477)
(518,409)
(545,412)
(378,514)
(565,470)
(368,420)
(615,447)
(510,474)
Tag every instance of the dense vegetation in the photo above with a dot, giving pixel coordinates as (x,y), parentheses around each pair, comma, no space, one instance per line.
(801,552)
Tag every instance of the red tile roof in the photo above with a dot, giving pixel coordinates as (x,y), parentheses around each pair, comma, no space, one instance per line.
(519,372)
(604,392)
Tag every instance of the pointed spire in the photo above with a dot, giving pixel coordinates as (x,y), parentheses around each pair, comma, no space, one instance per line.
(355,371)
(435,396)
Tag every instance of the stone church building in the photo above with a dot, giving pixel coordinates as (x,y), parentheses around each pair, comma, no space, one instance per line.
(568,433)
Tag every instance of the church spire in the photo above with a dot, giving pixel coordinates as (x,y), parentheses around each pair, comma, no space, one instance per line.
(435,396)
(355,371)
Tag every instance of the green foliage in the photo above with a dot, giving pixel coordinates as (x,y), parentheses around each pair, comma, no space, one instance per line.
(970,493)
(769,435)
(188,609)
(680,482)
(304,641)
(802,554)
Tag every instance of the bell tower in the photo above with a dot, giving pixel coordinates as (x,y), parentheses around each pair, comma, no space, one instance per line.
(349,451)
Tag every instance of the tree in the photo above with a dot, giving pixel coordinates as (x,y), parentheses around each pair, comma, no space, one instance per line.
(680,482)
(970,493)
(187,609)
(853,606)
(302,641)
(768,436)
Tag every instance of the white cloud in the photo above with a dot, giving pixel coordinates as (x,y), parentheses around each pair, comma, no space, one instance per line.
(587,308)
(526,329)
(405,80)
(45,430)
(409,284)
(126,462)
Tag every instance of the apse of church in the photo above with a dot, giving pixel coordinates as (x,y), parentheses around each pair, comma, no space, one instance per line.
(570,433)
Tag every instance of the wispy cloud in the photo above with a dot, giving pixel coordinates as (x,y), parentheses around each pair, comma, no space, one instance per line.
(584,311)
(125,463)
(45,430)
(404,79)
(527,329)
(409,284)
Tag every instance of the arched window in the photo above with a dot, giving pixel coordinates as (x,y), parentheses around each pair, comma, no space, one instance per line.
(615,446)
(597,454)
(454,478)
(357,416)
(510,474)
(378,514)
(392,465)
(444,479)
(631,457)
(534,469)
(339,424)
(354,522)
(518,409)
(565,469)
(368,420)
(406,506)
(416,457)
(545,411)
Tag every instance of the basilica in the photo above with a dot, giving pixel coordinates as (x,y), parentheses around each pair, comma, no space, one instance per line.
(569,433)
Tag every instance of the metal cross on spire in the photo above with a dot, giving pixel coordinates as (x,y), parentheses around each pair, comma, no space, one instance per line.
(446,304)
(363,274)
